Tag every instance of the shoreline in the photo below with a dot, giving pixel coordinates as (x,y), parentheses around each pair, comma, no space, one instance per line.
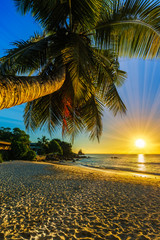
(115,174)
(111,174)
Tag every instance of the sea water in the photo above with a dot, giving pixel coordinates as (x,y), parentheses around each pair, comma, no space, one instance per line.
(149,164)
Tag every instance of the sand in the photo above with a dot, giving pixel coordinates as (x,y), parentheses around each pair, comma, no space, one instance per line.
(44,201)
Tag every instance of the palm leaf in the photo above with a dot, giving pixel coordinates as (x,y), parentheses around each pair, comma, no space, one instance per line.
(131,28)
(113,101)
(107,70)
(45,111)
(74,123)
(26,56)
(55,13)
(79,60)
(91,113)
(32,55)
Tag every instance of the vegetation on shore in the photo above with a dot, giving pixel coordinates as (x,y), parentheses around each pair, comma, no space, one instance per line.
(55,149)
(55,146)
(23,149)
(20,145)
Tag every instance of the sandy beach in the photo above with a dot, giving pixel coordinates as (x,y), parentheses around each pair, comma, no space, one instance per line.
(45,201)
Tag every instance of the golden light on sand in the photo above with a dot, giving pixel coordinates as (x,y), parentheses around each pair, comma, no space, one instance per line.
(140,143)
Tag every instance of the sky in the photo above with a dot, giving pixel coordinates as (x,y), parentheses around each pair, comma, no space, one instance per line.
(140,93)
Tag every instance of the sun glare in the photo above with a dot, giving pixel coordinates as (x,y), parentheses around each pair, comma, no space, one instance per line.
(140,143)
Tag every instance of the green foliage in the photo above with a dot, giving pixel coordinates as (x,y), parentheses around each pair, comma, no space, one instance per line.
(30,155)
(20,144)
(20,135)
(18,150)
(67,148)
(55,147)
(5,134)
(43,144)
(84,37)
(131,28)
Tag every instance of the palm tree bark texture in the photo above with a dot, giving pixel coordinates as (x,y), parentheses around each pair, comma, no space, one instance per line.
(16,90)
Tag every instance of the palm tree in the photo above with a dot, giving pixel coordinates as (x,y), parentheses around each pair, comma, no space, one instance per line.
(76,60)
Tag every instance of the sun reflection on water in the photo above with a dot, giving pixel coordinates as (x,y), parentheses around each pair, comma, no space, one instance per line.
(141,158)
(141,161)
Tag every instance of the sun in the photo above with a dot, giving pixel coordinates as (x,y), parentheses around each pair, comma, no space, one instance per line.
(140,143)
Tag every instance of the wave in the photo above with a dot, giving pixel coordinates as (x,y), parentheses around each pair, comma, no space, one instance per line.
(121,169)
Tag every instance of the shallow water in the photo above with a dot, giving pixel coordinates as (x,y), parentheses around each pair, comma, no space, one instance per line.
(135,163)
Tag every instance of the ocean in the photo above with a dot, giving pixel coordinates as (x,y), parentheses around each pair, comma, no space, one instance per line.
(147,164)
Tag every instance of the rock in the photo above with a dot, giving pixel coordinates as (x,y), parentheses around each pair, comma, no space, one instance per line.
(80,152)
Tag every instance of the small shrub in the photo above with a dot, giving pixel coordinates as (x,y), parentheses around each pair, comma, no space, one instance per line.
(18,150)
(31,155)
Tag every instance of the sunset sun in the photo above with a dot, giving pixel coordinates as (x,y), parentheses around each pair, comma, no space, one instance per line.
(140,143)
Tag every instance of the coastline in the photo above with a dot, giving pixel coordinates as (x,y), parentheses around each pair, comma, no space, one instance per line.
(55,201)
(110,174)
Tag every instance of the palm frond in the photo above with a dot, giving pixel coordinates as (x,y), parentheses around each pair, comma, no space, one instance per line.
(56,13)
(107,70)
(30,119)
(74,123)
(113,101)
(120,78)
(32,55)
(131,28)
(79,101)
(26,56)
(45,111)
(78,57)
(91,113)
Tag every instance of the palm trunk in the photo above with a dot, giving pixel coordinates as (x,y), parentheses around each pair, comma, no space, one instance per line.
(15,90)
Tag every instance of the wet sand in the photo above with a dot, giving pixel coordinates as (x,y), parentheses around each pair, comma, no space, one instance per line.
(44,201)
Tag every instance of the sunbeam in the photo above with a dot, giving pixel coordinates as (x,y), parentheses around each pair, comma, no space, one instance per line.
(141,94)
